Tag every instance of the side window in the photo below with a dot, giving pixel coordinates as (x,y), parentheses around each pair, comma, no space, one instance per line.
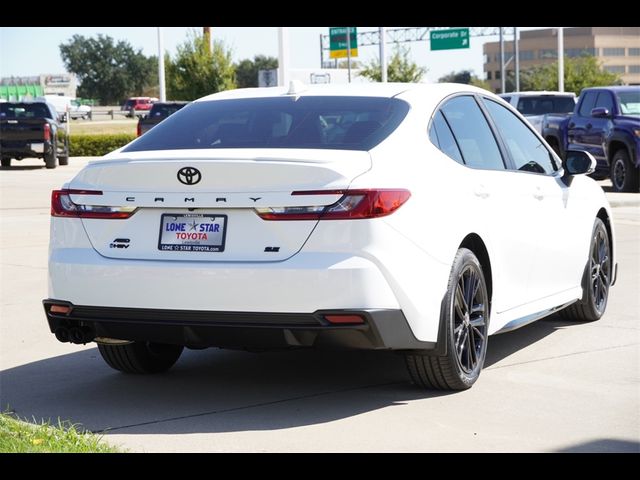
(587,104)
(472,133)
(604,101)
(525,149)
(441,133)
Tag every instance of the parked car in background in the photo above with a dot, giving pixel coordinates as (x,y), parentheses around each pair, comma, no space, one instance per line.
(64,104)
(159,111)
(32,129)
(253,222)
(605,123)
(535,105)
(138,105)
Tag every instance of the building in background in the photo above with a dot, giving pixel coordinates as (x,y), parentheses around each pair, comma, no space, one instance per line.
(25,88)
(617,48)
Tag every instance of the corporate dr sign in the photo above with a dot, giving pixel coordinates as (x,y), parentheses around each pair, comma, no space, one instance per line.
(449,39)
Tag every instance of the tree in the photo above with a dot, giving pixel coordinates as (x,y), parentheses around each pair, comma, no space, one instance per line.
(247,70)
(195,71)
(579,73)
(399,68)
(108,70)
(465,76)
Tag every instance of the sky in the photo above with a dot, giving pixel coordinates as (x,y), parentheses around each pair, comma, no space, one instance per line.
(26,51)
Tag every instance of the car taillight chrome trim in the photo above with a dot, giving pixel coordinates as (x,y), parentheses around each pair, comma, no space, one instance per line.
(352,205)
(63,206)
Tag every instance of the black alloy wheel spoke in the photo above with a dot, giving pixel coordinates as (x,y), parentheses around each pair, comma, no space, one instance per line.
(469,319)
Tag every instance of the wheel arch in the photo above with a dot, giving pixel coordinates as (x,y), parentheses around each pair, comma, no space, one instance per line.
(474,242)
(617,144)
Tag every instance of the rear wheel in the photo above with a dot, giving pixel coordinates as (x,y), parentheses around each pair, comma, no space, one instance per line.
(597,279)
(466,320)
(5,162)
(624,176)
(51,158)
(140,357)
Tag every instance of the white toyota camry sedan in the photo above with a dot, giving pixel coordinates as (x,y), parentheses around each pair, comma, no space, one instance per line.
(415,218)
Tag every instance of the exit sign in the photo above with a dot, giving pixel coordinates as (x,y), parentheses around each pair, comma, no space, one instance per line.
(449,39)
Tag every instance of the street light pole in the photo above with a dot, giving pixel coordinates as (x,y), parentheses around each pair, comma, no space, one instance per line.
(349,53)
(502,79)
(383,57)
(283,56)
(517,57)
(560,59)
(163,95)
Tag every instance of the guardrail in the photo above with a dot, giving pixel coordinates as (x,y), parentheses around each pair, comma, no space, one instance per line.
(113,112)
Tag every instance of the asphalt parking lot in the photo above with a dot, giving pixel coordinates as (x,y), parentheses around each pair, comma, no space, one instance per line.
(552,386)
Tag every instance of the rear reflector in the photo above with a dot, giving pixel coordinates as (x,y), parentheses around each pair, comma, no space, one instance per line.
(63,309)
(341,319)
(63,206)
(354,204)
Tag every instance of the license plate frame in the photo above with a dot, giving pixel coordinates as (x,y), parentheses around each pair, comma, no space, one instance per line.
(194,244)
(37,147)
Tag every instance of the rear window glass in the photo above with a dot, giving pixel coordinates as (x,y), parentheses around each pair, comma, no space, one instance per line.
(532,105)
(326,122)
(164,110)
(24,110)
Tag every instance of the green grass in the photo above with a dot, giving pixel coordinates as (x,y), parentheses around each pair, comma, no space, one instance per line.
(17,436)
(87,127)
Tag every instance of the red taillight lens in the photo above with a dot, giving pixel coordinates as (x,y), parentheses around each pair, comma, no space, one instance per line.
(354,204)
(63,206)
(47,132)
(138,130)
(344,319)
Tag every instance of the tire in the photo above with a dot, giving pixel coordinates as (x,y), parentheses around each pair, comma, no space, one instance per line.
(51,159)
(63,160)
(140,357)
(624,175)
(465,334)
(596,280)
(5,162)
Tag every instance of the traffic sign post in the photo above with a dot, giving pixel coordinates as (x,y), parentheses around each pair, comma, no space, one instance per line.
(449,39)
(338,42)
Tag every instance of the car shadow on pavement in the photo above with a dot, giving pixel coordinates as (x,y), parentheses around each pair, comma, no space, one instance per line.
(224,391)
(23,167)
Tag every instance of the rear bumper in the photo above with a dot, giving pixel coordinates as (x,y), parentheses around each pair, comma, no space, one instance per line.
(380,329)
(24,150)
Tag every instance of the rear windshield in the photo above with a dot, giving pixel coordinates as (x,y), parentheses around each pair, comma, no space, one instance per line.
(545,104)
(24,110)
(164,110)
(347,123)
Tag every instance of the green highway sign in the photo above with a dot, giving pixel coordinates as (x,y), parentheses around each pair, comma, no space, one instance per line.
(449,39)
(338,41)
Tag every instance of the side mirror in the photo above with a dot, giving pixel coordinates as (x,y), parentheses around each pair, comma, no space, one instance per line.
(577,162)
(600,112)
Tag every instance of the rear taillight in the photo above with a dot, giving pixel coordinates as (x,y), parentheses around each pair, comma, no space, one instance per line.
(63,206)
(47,132)
(354,204)
(138,130)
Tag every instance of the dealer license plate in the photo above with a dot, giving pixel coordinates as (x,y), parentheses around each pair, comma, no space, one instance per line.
(192,232)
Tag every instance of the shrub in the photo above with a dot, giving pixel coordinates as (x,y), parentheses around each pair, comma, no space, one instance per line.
(97,145)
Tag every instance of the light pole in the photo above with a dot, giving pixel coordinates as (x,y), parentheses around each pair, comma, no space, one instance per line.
(383,57)
(560,59)
(283,56)
(163,95)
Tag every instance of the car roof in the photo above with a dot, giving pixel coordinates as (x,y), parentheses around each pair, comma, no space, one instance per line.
(615,88)
(387,90)
(539,92)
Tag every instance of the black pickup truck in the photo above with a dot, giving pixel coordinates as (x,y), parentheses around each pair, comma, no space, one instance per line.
(159,111)
(32,129)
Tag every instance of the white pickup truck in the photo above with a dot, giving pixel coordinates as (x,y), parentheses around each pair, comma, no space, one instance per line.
(535,105)
(64,104)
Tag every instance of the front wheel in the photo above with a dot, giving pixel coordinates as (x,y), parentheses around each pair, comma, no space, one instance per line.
(624,176)
(140,357)
(466,320)
(596,281)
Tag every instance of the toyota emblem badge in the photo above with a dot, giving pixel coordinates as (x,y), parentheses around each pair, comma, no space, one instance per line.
(189,175)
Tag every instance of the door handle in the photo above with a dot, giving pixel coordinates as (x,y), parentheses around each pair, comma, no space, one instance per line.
(589,126)
(537,194)
(481,192)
